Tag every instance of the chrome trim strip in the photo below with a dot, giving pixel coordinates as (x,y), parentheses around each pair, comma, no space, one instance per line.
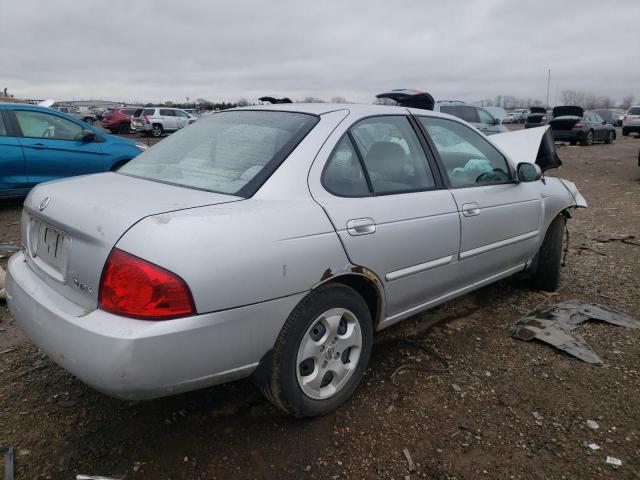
(496,245)
(421,267)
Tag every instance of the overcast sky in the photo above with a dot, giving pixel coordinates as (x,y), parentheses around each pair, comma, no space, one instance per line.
(154,50)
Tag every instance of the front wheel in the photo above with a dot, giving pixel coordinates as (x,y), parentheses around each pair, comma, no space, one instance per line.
(321,353)
(549,258)
(611,137)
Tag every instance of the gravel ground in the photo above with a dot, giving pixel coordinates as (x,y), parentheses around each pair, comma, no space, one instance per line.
(504,409)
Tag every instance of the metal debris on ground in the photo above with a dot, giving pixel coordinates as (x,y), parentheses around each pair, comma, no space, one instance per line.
(556,325)
(616,462)
(407,455)
(93,477)
(420,367)
(8,462)
(9,247)
(593,425)
(593,446)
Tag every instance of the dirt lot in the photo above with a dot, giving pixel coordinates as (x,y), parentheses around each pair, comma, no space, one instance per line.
(475,420)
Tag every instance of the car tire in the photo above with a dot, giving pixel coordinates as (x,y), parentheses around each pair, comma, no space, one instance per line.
(588,139)
(156,130)
(328,319)
(549,258)
(610,137)
(572,143)
(124,128)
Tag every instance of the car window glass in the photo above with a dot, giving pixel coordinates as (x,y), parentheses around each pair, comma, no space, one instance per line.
(3,129)
(228,152)
(164,112)
(45,125)
(148,111)
(634,111)
(180,113)
(343,174)
(597,118)
(392,154)
(485,117)
(468,158)
(469,114)
(450,110)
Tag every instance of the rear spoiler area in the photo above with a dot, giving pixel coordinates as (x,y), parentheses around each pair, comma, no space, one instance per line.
(410,98)
(531,145)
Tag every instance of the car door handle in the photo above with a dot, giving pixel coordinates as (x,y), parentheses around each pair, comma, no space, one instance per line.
(361,226)
(38,145)
(470,209)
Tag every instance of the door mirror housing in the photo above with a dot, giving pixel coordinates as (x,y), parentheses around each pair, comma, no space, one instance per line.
(497,121)
(528,172)
(88,135)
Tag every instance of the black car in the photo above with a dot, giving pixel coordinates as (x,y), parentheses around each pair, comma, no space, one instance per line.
(537,118)
(572,124)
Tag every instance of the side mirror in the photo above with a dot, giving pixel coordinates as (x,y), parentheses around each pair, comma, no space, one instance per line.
(528,172)
(88,135)
(496,121)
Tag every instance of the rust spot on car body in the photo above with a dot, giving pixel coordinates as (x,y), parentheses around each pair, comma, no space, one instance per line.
(326,275)
(366,272)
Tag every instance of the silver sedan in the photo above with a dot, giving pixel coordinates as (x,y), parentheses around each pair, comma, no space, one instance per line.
(274,241)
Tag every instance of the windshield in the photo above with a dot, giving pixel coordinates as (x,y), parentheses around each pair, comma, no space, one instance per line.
(230,152)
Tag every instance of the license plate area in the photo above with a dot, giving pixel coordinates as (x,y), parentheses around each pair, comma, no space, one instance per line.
(50,249)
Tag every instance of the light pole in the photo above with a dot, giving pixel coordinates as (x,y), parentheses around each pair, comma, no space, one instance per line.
(548,83)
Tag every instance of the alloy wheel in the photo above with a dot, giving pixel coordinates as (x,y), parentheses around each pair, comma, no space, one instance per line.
(328,353)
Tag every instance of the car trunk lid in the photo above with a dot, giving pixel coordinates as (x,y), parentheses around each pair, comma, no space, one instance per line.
(69,227)
(568,110)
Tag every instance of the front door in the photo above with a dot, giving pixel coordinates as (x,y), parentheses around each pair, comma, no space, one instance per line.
(389,209)
(500,218)
(13,175)
(53,147)
(169,120)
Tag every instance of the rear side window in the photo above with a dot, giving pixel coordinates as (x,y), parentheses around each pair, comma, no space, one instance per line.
(148,111)
(634,111)
(165,112)
(228,152)
(450,110)
(392,155)
(343,175)
(468,158)
(469,114)
(128,111)
(485,117)
(3,129)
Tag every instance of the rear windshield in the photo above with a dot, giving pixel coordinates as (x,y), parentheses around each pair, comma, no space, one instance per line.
(229,152)
(148,111)
(634,111)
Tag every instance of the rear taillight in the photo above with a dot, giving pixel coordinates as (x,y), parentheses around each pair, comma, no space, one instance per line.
(578,125)
(624,119)
(145,118)
(135,288)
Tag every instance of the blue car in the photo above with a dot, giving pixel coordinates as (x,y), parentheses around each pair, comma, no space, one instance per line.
(39,144)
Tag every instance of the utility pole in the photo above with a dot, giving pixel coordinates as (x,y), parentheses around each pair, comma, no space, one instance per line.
(548,83)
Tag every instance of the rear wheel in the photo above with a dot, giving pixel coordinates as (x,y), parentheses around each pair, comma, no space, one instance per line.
(89,120)
(588,140)
(321,353)
(156,130)
(124,128)
(625,133)
(611,137)
(549,257)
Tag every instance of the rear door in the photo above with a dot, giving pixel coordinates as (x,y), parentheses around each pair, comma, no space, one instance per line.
(169,120)
(499,217)
(600,127)
(53,146)
(386,202)
(13,174)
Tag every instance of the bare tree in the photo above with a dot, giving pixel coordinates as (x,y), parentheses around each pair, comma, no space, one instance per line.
(339,99)
(243,102)
(312,100)
(627,102)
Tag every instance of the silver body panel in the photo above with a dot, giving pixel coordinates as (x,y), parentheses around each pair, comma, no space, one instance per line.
(248,262)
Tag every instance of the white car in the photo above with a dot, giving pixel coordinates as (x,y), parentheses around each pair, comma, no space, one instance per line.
(158,120)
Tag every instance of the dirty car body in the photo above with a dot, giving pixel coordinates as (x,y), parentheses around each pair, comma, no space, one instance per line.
(232,227)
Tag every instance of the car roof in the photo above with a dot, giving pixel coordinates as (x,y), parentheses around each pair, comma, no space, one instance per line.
(322,108)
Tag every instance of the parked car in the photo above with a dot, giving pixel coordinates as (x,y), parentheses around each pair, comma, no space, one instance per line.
(537,118)
(610,116)
(631,121)
(572,124)
(118,120)
(496,112)
(273,241)
(511,117)
(158,120)
(522,114)
(86,116)
(39,144)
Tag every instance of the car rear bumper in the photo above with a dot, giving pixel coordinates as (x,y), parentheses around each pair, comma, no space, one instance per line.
(568,135)
(138,359)
(631,128)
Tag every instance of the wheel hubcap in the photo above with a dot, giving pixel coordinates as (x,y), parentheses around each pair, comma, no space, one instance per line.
(328,353)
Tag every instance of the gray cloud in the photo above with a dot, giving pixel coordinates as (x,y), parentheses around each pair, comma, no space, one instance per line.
(150,50)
